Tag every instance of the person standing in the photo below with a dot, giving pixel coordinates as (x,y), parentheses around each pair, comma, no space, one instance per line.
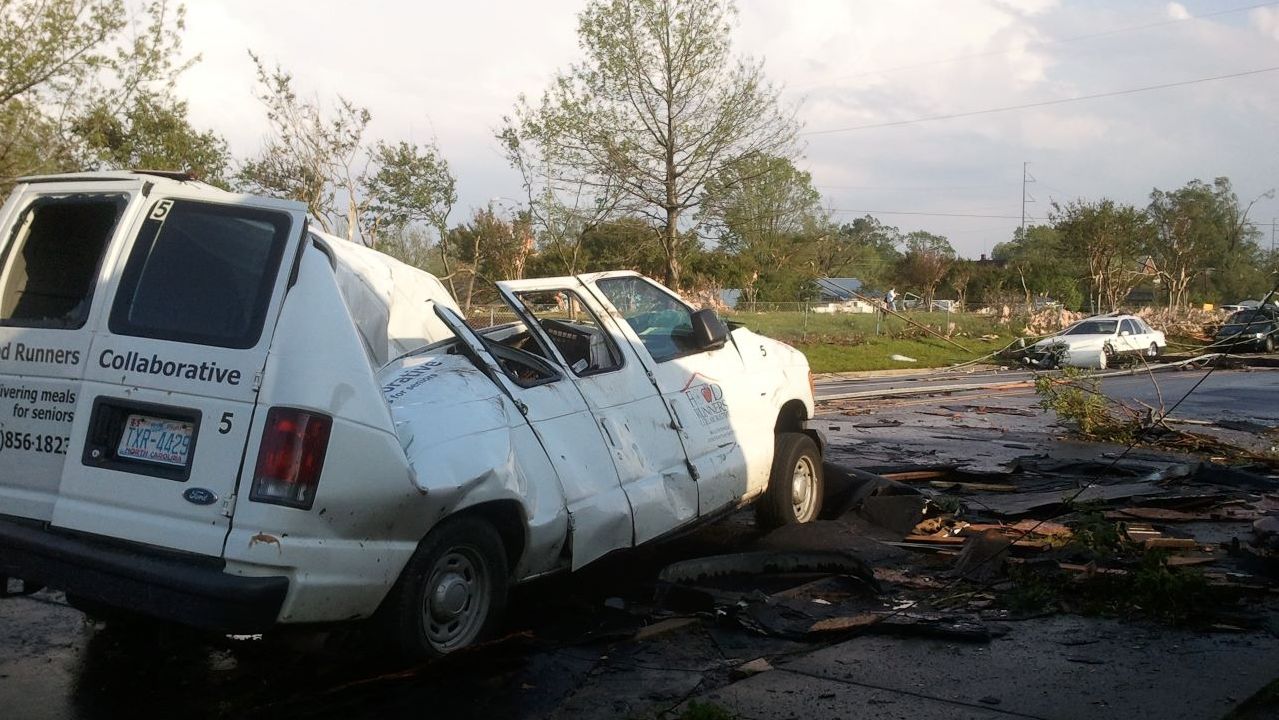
(890,299)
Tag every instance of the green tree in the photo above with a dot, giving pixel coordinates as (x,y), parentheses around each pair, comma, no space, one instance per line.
(411,188)
(1107,239)
(1038,265)
(490,248)
(626,242)
(766,214)
(411,244)
(1198,229)
(153,133)
(926,261)
(67,64)
(864,248)
(658,108)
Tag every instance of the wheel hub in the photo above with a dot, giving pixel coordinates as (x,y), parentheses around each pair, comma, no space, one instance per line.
(450,597)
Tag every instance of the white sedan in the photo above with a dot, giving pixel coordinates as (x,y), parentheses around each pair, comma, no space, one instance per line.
(1097,341)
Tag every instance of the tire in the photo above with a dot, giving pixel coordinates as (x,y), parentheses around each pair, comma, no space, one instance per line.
(1153,352)
(795,484)
(1109,356)
(452,593)
(1268,345)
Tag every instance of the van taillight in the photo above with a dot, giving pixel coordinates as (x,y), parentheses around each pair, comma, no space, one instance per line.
(291,457)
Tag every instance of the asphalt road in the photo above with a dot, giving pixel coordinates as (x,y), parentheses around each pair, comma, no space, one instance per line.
(925,378)
(1242,394)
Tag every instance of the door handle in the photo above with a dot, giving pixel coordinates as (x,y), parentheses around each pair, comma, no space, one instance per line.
(677,423)
(607,433)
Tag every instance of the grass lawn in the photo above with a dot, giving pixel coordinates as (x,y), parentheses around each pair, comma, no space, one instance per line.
(847,342)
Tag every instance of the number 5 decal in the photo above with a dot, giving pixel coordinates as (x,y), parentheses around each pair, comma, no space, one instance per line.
(224,425)
(161,210)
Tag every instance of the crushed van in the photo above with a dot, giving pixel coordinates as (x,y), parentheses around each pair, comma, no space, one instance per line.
(212,414)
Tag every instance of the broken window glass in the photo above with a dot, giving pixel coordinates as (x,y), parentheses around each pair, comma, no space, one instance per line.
(575,331)
(51,263)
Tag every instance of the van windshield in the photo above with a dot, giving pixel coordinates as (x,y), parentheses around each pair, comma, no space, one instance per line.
(51,263)
(201,273)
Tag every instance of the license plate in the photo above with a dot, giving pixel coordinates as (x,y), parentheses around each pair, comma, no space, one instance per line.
(155,440)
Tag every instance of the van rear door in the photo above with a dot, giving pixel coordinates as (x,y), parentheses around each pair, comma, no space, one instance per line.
(56,254)
(172,374)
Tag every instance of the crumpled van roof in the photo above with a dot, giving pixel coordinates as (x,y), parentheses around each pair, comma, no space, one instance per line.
(387,299)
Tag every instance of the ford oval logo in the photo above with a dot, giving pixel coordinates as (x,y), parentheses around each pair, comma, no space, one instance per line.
(200,496)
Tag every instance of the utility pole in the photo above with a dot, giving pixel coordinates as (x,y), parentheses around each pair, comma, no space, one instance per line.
(1026,177)
(1272,235)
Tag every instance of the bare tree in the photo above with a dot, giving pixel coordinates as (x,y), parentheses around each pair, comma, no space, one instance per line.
(564,203)
(658,107)
(309,155)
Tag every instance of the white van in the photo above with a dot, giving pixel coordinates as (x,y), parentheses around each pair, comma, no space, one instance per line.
(212,415)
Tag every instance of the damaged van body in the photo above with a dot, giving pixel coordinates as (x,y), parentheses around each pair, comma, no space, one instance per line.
(210,414)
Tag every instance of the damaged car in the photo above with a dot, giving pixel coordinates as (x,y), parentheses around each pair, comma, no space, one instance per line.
(214,415)
(1097,342)
(1250,329)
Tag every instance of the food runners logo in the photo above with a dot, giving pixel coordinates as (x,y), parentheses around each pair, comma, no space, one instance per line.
(707,399)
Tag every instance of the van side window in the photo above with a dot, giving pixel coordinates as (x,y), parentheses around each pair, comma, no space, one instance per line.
(663,324)
(586,347)
(51,263)
(201,273)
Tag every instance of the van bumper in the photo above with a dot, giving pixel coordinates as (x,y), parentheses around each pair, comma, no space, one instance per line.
(192,590)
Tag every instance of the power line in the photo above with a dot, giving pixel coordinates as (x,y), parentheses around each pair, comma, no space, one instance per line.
(925,214)
(914,187)
(1043,43)
(1043,103)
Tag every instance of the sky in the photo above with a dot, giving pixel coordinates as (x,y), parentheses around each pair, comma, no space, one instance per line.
(865,78)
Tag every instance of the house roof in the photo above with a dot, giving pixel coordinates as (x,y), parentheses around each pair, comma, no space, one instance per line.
(842,288)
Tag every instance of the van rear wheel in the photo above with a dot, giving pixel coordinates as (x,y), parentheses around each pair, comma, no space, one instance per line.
(452,593)
(795,485)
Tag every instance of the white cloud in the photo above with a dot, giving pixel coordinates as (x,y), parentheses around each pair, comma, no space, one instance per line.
(1266,20)
(1177,11)
(449,71)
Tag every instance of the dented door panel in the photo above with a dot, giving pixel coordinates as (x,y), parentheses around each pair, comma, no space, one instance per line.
(634,421)
(718,411)
(599,513)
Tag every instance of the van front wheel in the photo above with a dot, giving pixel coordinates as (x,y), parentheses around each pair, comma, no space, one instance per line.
(795,485)
(453,591)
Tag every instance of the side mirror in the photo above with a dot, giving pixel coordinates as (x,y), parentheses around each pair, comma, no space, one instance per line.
(1124,333)
(708,330)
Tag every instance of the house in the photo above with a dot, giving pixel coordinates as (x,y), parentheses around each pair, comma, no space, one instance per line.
(838,289)
(841,295)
